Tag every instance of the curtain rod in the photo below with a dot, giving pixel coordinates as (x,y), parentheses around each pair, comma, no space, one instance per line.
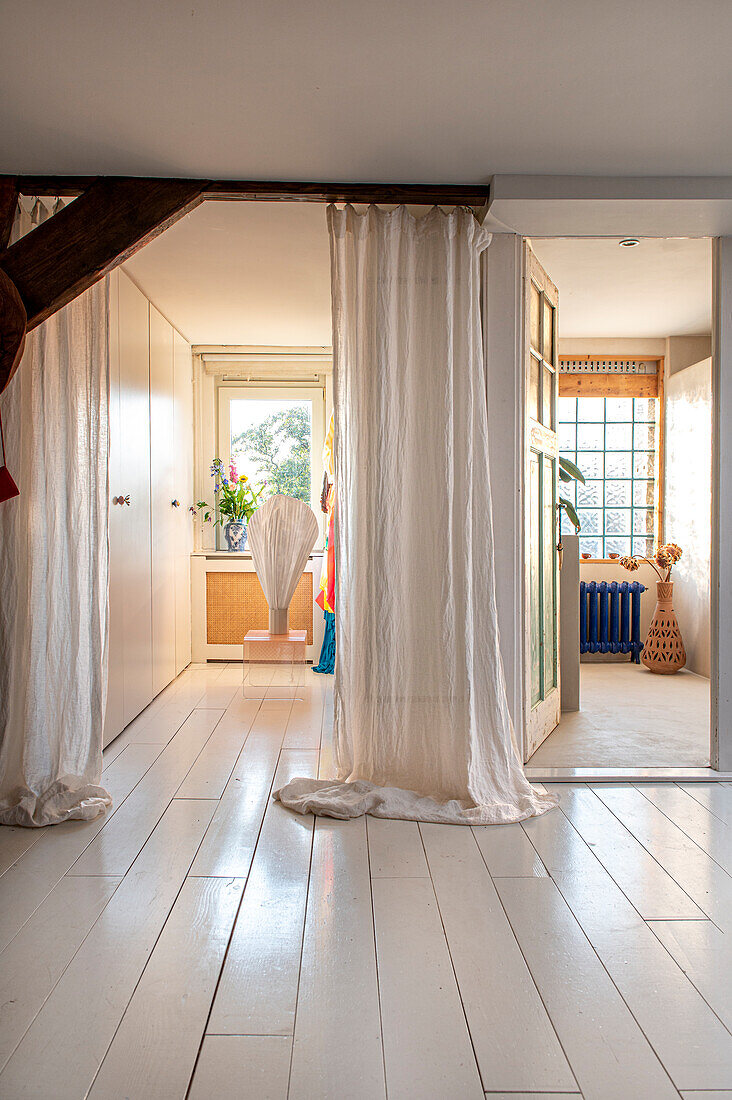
(262,190)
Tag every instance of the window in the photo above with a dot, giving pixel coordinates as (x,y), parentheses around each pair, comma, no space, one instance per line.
(615,443)
(275,435)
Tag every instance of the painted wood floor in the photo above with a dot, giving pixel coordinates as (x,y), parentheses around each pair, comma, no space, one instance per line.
(200,941)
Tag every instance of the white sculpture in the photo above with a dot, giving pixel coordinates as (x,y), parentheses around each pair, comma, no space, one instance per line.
(281,535)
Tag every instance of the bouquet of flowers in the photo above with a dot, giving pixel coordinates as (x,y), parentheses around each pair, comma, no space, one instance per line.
(662,561)
(236,498)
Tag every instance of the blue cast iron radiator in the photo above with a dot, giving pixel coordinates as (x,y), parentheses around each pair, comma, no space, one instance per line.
(610,617)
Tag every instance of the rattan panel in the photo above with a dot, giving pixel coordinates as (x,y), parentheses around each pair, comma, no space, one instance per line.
(235,604)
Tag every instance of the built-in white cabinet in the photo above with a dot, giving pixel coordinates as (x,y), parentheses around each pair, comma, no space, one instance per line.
(150,487)
(162,477)
(183,497)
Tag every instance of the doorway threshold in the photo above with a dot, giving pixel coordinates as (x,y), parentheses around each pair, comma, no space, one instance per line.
(626,775)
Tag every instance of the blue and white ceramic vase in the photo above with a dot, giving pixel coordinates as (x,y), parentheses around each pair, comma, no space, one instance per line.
(235,532)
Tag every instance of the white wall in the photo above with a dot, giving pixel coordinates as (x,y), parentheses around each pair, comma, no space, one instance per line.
(689,502)
(684,351)
(610,345)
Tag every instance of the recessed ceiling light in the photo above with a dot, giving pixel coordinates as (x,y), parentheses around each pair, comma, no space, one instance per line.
(629,242)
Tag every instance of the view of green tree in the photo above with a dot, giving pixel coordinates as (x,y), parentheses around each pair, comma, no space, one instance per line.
(280,448)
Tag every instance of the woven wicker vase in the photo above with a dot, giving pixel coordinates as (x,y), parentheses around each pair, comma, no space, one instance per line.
(664,649)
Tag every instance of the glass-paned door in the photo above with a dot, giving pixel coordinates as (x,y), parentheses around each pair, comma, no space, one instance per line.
(542,521)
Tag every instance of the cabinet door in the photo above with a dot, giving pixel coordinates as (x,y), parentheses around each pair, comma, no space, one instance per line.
(183,482)
(114,715)
(134,482)
(162,465)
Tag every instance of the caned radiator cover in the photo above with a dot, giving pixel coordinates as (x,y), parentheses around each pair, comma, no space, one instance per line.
(235,604)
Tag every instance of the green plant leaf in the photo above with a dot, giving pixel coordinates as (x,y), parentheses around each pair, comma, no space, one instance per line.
(564,476)
(571,513)
(570,468)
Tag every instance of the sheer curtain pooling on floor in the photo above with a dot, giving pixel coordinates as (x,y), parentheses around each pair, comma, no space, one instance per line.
(422,726)
(53,568)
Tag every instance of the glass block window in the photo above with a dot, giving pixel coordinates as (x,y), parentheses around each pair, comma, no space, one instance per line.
(613,440)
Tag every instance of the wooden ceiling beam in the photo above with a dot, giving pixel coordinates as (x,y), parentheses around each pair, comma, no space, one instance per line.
(418,194)
(112,217)
(103,227)
(54,186)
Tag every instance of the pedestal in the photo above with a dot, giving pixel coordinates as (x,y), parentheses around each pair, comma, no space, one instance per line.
(272,664)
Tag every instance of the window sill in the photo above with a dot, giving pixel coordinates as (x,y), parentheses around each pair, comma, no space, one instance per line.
(241,555)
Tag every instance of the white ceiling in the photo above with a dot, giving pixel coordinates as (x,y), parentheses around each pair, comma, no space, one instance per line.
(242,273)
(417,90)
(258,273)
(659,288)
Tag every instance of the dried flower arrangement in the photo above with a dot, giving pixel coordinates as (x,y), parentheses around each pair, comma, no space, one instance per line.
(662,561)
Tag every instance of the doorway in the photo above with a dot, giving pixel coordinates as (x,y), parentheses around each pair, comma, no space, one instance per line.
(634,414)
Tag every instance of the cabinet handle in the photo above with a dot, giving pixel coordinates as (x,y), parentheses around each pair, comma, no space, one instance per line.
(125,499)
(175,503)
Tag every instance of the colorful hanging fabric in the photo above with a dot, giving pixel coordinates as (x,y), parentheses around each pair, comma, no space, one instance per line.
(326,664)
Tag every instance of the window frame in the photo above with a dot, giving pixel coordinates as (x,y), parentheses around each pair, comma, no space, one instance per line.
(230,390)
(620,384)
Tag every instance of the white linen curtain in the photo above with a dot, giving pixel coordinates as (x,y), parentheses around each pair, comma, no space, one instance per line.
(53,567)
(422,727)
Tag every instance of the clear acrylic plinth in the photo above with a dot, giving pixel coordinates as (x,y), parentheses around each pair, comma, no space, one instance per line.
(272,664)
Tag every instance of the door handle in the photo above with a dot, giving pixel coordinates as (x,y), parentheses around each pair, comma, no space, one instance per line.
(121,500)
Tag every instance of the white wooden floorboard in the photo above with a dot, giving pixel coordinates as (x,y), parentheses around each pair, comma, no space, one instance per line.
(128,733)
(34,875)
(395,849)
(86,966)
(501,1002)
(190,686)
(157,724)
(427,1048)
(715,797)
(229,844)
(608,1053)
(706,1095)
(257,993)
(508,852)
(63,1049)
(212,769)
(690,1041)
(705,956)
(337,1026)
(115,849)
(326,768)
(712,835)
(156,1045)
(531,1095)
(306,717)
(36,958)
(245,1067)
(112,751)
(641,878)
(14,841)
(704,881)
(217,696)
